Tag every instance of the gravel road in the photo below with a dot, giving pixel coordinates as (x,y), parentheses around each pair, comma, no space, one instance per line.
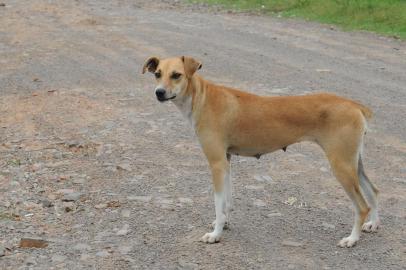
(110,178)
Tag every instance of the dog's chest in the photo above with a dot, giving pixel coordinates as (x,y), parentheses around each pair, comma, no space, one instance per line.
(185,107)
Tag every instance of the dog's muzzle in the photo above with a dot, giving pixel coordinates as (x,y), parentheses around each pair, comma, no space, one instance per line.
(161,95)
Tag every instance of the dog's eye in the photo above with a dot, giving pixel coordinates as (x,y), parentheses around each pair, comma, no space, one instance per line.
(158,75)
(176,76)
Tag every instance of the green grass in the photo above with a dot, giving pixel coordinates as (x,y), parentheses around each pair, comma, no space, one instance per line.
(382,16)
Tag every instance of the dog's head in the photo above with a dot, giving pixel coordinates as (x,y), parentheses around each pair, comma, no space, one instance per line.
(172,75)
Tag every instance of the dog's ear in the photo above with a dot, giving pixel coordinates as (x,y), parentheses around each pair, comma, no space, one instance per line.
(151,64)
(191,65)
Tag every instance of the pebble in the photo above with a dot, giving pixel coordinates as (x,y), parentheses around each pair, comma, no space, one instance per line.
(259,203)
(85,257)
(79,181)
(399,180)
(31,205)
(30,261)
(139,198)
(165,201)
(129,259)
(291,200)
(111,169)
(258,178)
(123,231)
(7,204)
(291,243)
(323,169)
(263,178)
(102,235)
(14,183)
(36,166)
(328,225)
(125,249)
(126,213)
(81,247)
(253,187)
(277,214)
(184,265)
(65,191)
(46,203)
(100,206)
(103,253)
(58,258)
(124,166)
(69,206)
(323,70)
(77,144)
(74,196)
(186,200)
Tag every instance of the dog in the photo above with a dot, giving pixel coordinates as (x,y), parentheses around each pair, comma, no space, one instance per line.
(232,122)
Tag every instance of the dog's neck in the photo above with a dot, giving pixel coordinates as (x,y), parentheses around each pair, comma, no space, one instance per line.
(192,98)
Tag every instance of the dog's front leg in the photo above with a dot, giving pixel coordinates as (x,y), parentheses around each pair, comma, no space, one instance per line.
(228,206)
(228,188)
(219,168)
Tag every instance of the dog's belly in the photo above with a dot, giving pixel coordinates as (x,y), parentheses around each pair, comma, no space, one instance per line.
(256,146)
(252,151)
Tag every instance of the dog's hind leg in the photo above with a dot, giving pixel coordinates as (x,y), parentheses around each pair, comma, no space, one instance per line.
(343,146)
(343,151)
(370,192)
(346,172)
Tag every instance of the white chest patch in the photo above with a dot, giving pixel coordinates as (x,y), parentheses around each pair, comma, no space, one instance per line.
(185,107)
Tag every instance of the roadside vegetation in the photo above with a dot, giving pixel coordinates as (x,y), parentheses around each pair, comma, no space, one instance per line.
(382,16)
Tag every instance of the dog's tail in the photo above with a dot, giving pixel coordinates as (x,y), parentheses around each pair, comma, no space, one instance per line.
(364,180)
(367,186)
(366,112)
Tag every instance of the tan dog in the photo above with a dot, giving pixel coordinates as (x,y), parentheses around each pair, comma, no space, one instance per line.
(231,122)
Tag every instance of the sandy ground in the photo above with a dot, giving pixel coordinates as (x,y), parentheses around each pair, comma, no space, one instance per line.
(91,163)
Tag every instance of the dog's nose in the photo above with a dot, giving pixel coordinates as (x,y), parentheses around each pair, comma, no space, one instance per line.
(160,93)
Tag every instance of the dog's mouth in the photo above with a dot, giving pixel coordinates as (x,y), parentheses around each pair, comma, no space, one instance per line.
(163,99)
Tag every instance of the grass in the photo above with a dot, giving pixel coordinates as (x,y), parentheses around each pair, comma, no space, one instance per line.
(382,16)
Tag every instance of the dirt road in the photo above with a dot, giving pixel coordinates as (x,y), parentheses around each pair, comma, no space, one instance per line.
(111,179)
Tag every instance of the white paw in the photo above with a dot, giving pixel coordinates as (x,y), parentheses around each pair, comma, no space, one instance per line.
(225,227)
(347,242)
(210,238)
(371,226)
